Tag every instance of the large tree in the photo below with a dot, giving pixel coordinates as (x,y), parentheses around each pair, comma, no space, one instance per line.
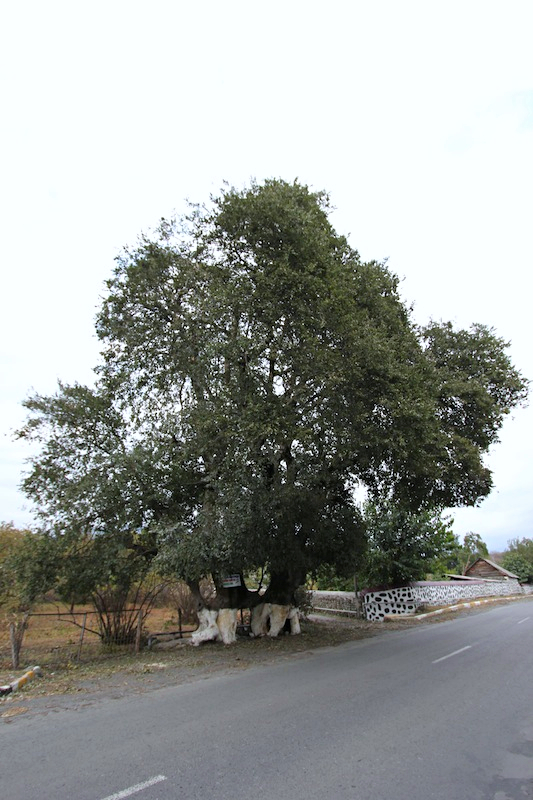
(254,372)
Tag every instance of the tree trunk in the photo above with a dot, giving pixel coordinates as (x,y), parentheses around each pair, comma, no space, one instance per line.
(226,596)
(268,619)
(270,612)
(227,624)
(260,616)
(234,596)
(294,618)
(207,630)
(281,596)
(278,616)
(16,633)
(283,585)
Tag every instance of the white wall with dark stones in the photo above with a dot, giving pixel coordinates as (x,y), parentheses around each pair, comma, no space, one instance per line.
(408,599)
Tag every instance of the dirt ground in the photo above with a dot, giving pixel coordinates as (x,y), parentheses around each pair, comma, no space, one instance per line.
(87,684)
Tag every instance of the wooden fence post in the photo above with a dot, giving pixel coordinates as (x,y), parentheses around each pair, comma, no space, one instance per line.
(16,635)
(139,632)
(14,648)
(82,634)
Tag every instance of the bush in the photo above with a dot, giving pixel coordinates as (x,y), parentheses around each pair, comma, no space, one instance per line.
(178,596)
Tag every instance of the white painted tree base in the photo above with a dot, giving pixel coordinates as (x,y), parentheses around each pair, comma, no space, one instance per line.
(207,629)
(259,622)
(294,617)
(227,625)
(267,619)
(278,615)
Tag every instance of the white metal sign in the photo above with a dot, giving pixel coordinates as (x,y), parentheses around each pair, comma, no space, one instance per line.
(230,581)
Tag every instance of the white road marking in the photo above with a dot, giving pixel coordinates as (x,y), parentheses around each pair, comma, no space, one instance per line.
(137,788)
(455,652)
(522,620)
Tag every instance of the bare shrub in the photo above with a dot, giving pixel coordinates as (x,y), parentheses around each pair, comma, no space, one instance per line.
(178,596)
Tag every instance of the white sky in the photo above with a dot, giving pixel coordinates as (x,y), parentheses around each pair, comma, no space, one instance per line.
(416,116)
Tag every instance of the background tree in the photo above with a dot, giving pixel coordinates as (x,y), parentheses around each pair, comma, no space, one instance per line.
(476,387)
(111,572)
(10,538)
(519,566)
(518,558)
(402,545)
(326,579)
(27,567)
(255,372)
(24,578)
(473,547)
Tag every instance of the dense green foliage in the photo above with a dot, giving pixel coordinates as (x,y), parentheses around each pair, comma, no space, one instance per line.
(111,572)
(27,567)
(10,540)
(518,558)
(404,546)
(473,547)
(255,372)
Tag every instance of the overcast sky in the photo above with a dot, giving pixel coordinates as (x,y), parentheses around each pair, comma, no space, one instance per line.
(416,117)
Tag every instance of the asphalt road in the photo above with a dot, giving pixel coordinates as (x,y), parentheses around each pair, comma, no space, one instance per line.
(438,711)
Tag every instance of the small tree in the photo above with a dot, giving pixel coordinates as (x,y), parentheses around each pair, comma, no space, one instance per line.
(114,574)
(473,547)
(10,538)
(24,578)
(518,558)
(110,572)
(11,603)
(403,546)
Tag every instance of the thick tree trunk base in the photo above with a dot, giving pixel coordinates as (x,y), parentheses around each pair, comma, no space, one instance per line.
(227,625)
(278,616)
(268,619)
(207,629)
(216,625)
(259,622)
(294,619)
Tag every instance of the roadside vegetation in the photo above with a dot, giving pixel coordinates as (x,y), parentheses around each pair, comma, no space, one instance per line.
(68,642)
(124,673)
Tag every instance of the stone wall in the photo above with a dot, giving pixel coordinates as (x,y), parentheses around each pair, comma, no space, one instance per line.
(390,601)
(340,602)
(439,593)
(433,593)
(408,599)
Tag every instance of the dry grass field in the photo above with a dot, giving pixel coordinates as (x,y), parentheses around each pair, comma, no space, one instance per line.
(54,635)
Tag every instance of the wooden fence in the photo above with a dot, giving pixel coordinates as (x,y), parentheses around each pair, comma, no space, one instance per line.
(64,636)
